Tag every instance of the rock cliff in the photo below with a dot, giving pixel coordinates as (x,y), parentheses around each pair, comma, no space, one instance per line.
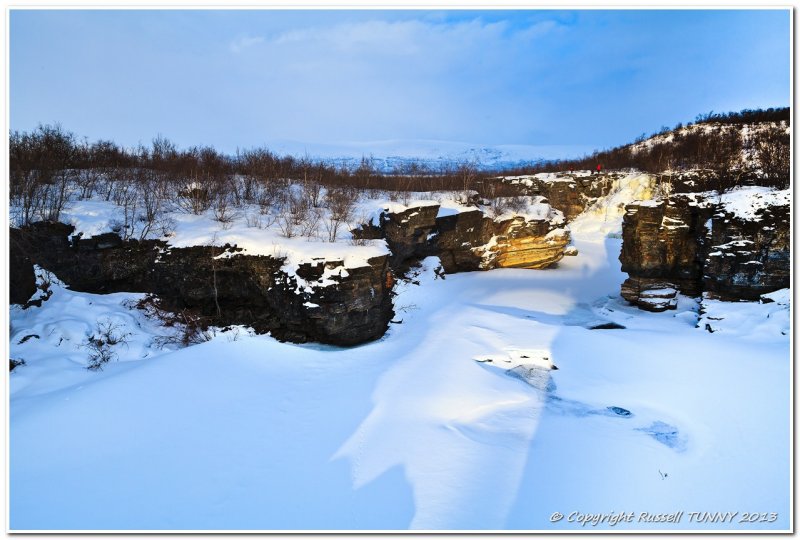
(749,247)
(323,302)
(571,193)
(731,246)
(469,239)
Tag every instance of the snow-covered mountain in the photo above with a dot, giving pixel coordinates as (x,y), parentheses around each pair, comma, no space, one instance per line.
(391,154)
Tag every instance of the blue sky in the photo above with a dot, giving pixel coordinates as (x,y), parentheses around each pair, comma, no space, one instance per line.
(594,78)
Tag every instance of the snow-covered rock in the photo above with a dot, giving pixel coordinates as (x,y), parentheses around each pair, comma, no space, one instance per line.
(735,245)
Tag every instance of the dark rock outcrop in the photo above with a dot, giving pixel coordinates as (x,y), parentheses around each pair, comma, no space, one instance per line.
(469,240)
(324,302)
(569,193)
(22,281)
(663,247)
(692,244)
(748,257)
(408,233)
(460,239)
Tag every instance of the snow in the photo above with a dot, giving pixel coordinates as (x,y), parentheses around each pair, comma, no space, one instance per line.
(747,202)
(195,230)
(93,217)
(660,292)
(254,233)
(753,321)
(451,208)
(418,429)
(651,203)
(90,217)
(658,303)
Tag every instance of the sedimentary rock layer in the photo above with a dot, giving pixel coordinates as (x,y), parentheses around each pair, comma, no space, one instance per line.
(321,303)
(695,243)
(470,240)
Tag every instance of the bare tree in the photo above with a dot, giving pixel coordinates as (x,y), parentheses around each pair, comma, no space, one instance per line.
(772,151)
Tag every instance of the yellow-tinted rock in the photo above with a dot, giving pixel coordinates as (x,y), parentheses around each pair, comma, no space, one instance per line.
(525,243)
(531,251)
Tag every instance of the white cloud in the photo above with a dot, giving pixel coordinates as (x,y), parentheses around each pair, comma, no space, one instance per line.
(382,79)
(238,45)
(402,37)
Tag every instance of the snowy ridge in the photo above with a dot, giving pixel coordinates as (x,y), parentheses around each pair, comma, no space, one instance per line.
(747,133)
(391,154)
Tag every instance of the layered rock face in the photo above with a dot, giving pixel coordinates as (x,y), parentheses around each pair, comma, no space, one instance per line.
(662,248)
(569,193)
(748,255)
(693,244)
(324,302)
(528,244)
(470,240)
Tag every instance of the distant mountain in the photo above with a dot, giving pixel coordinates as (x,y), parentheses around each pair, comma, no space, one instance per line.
(395,154)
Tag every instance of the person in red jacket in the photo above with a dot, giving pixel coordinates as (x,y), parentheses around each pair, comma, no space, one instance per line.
(599,168)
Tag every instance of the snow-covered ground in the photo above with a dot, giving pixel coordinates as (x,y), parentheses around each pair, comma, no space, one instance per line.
(259,233)
(746,202)
(452,421)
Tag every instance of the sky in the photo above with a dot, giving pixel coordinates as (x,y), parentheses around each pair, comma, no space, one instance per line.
(244,78)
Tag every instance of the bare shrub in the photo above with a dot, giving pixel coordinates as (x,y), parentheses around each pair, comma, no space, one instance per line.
(518,204)
(309,226)
(99,343)
(153,215)
(190,327)
(126,196)
(355,225)
(312,191)
(298,205)
(42,171)
(254,221)
(341,203)
(88,181)
(286,225)
(195,197)
(223,211)
(498,206)
(270,194)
